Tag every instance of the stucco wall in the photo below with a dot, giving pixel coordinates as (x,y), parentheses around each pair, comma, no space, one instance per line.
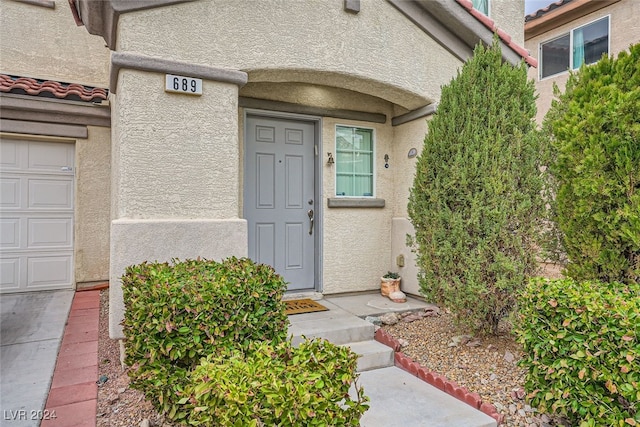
(509,15)
(356,241)
(50,45)
(312,53)
(92,214)
(624,31)
(316,96)
(377,51)
(135,241)
(175,192)
(176,155)
(406,136)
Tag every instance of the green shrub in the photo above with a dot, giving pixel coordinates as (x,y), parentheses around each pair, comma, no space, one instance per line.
(177,314)
(276,385)
(582,350)
(476,202)
(595,131)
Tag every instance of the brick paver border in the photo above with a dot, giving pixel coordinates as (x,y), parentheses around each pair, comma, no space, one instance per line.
(73,396)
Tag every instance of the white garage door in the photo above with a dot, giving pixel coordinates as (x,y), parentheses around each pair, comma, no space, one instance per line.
(36,215)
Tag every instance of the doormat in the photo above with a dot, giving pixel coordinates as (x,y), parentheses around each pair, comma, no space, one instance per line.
(299,306)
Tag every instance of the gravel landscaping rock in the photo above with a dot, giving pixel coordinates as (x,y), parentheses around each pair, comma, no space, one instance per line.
(484,365)
(118,405)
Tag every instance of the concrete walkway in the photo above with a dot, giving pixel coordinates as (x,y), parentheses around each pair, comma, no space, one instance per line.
(399,399)
(31,329)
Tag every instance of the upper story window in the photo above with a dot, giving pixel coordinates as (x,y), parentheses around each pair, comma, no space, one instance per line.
(582,45)
(482,6)
(354,161)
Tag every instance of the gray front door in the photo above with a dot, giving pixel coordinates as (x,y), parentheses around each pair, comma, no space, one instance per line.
(279,199)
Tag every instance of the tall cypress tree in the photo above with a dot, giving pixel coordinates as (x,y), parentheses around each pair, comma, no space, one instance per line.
(476,201)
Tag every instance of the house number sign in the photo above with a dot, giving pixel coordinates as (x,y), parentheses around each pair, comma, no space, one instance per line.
(182,84)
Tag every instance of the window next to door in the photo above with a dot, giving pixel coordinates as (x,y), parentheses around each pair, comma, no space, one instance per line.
(354,161)
(582,45)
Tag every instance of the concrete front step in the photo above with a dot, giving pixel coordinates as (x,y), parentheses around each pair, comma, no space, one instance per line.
(340,329)
(373,355)
(397,397)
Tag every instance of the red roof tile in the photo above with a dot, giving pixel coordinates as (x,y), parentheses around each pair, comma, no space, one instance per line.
(506,38)
(51,89)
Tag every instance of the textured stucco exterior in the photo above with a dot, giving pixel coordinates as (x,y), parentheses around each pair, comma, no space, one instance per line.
(508,15)
(50,45)
(407,136)
(316,95)
(375,61)
(175,188)
(356,240)
(177,160)
(624,31)
(377,51)
(92,214)
(176,155)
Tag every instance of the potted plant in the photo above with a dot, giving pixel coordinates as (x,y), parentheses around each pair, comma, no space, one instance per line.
(390,287)
(390,282)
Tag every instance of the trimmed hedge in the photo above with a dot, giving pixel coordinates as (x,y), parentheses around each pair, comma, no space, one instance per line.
(582,350)
(276,385)
(178,313)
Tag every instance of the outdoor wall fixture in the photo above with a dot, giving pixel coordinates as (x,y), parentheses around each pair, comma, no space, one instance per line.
(330,160)
(386,161)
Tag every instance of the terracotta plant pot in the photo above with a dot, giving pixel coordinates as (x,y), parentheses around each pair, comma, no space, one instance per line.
(388,286)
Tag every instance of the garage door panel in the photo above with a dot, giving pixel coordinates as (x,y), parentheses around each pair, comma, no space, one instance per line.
(50,233)
(9,274)
(9,155)
(49,271)
(50,194)
(10,193)
(46,157)
(10,233)
(36,215)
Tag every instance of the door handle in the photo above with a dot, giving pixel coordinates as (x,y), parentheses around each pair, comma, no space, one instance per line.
(310,215)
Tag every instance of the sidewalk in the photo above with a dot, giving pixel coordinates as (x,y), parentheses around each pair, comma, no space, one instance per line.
(32,327)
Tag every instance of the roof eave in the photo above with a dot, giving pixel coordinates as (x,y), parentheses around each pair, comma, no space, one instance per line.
(101,17)
(563,15)
(438,18)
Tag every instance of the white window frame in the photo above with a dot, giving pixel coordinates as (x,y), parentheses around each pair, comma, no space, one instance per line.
(570,32)
(373,161)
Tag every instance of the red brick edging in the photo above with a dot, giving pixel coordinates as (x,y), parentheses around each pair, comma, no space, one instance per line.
(439,381)
(73,395)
